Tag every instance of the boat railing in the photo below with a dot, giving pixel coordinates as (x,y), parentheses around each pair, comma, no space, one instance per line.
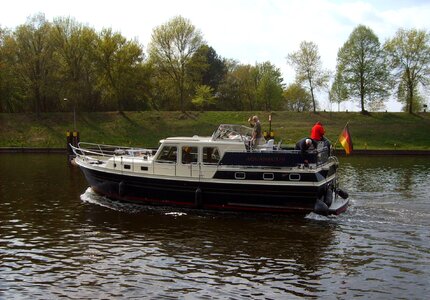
(104,151)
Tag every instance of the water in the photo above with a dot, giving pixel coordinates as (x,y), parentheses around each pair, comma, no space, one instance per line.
(59,239)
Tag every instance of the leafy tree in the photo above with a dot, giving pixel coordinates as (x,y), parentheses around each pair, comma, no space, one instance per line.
(247,87)
(229,95)
(42,63)
(238,90)
(269,86)
(338,91)
(118,62)
(409,57)
(171,48)
(204,96)
(75,52)
(9,98)
(308,67)
(34,63)
(246,79)
(362,69)
(207,67)
(297,98)
(403,95)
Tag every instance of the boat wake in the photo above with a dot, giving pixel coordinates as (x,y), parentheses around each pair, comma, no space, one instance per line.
(316,217)
(93,198)
(89,196)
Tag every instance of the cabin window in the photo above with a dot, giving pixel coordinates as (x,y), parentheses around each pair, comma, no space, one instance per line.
(144,168)
(210,155)
(128,167)
(167,154)
(189,155)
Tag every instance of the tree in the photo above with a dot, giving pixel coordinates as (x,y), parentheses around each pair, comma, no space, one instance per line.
(207,67)
(297,98)
(362,68)
(409,57)
(269,86)
(171,49)
(9,85)
(74,49)
(308,67)
(118,62)
(229,95)
(34,63)
(238,91)
(338,91)
(204,96)
(409,104)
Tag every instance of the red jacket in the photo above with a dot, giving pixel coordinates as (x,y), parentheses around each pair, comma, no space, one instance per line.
(317,132)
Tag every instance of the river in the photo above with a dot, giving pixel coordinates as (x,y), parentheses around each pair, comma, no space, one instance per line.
(59,239)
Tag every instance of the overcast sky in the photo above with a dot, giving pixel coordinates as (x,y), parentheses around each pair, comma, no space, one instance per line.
(249,31)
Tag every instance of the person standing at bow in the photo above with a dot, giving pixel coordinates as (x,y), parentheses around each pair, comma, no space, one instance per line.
(257,136)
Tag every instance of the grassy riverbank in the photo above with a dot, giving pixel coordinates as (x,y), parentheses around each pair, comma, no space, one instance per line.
(374,131)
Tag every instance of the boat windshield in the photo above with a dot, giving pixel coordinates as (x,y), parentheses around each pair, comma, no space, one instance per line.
(232,132)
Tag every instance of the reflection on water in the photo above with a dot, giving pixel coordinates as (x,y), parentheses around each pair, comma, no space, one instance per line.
(58,238)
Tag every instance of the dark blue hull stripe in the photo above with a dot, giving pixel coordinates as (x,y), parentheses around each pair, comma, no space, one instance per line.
(208,195)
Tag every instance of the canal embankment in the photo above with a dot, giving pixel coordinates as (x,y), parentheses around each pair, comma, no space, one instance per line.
(372,134)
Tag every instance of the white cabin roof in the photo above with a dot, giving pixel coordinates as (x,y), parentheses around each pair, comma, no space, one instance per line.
(195,138)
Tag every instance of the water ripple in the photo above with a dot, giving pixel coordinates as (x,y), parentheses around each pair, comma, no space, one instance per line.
(69,242)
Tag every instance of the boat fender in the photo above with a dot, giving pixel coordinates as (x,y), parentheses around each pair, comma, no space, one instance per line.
(320,207)
(121,189)
(198,198)
(342,193)
(328,197)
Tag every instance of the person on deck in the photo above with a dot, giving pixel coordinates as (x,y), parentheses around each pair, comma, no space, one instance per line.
(257,136)
(317,132)
(304,145)
(317,135)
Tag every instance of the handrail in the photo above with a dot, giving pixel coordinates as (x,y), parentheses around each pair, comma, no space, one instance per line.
(104,145)
(107,150)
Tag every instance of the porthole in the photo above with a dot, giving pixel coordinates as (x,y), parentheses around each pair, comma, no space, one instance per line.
(294,177)
(239,175)
(268,176)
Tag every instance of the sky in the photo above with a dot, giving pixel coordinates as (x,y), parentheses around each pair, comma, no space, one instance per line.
(249,31)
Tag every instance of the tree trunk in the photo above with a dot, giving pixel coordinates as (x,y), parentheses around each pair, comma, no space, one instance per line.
(37,101)
(411,97)
(362,93)
(313,100)
(312,94)
(410,90)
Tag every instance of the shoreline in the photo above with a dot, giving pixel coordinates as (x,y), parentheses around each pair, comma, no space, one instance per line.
(338,152)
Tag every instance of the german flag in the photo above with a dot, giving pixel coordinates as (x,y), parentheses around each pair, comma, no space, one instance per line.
(345,140)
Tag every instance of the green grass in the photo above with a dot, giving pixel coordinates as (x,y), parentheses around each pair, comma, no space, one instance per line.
(373,131)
